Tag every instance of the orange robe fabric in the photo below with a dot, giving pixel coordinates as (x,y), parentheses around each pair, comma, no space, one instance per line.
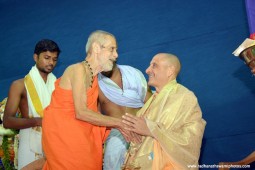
(69,143)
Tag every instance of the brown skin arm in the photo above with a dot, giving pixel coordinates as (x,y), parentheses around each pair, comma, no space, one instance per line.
(35,165)
(17,99)
(76,76)
(115,110)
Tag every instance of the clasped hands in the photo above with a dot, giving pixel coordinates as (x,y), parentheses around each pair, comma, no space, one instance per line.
(134,128)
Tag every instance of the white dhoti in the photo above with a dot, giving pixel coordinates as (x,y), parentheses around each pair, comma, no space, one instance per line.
(38,96)
(116,147)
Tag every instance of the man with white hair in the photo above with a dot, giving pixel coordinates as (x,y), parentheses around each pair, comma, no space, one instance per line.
(73,129)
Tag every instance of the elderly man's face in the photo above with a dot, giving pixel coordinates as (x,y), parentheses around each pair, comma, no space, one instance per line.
(157,72)
(108,54)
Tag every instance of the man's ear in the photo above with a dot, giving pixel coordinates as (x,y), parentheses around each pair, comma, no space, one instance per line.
(170,71)
(96,47)
(36,57)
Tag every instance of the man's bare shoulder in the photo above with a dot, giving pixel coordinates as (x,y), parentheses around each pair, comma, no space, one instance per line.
(18,83)
(74,68)
(71,73)
(17,87)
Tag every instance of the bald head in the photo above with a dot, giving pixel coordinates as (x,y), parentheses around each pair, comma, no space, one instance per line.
(170,60)
(163,68)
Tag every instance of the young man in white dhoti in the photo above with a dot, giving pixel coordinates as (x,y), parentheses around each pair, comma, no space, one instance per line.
(170,121)
(124,89)
(31,95)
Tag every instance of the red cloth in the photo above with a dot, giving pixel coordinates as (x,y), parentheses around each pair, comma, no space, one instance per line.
(67,142)
(252,36)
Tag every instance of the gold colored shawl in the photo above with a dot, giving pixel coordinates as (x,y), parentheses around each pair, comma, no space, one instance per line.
(175,121)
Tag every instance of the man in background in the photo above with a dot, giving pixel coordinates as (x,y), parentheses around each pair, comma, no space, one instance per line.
(31,95)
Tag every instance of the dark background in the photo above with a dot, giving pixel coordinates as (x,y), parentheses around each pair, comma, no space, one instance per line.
(202,33)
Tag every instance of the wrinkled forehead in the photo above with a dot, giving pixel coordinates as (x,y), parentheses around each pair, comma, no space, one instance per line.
(154,60)
(110,41)
(160,58)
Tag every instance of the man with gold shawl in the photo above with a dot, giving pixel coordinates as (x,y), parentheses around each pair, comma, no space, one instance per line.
(170,122)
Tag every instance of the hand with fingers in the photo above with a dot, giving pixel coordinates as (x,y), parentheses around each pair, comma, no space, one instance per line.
(131,136)
(126,134)
(136,124)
